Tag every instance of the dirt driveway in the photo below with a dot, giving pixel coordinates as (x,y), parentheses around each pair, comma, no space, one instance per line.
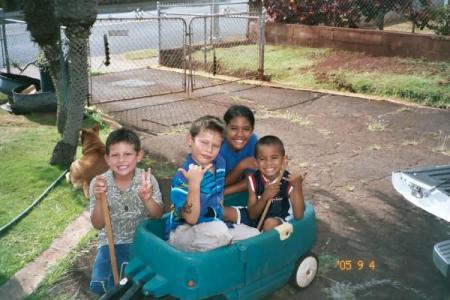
(349,147)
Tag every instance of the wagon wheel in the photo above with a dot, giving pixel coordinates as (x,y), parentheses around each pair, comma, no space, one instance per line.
(305,270)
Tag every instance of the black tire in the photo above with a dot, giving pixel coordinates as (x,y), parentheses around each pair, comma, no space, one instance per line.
(305,270)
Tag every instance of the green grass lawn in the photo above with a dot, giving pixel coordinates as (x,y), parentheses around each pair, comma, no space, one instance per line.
(423,89)
(421,81)
(26,144)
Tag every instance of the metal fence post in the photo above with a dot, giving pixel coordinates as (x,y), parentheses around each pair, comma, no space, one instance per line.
(216,26)
(205,37)
(210,23)
(247,35)
(158,12)
(5,42)
(190,81)
(2,14)
(261,44)
(62,62)
(184,81)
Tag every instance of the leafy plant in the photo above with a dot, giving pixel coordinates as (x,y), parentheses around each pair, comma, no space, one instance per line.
(23,180)
(440,20)
(339,13)
(346,13)
(42,63)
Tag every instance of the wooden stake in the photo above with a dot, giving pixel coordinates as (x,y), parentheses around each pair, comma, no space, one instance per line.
(109,235)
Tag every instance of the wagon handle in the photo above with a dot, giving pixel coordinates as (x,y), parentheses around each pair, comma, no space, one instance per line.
(109,235)
(269,202)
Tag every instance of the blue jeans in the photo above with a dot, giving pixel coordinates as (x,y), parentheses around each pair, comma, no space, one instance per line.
(102,278)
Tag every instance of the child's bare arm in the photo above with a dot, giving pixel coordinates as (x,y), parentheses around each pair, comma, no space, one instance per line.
(296,195)
(100,187)
(256,206)
(235,175)
(145,193)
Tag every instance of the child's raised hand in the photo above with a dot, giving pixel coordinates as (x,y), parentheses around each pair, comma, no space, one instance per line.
(100,186)
(195,173)
(296,178)
(271,190)
(146,188)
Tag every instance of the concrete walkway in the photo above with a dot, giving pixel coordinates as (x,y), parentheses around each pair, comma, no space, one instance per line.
(25,281)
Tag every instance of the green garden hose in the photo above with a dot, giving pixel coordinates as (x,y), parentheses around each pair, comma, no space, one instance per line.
(6,227)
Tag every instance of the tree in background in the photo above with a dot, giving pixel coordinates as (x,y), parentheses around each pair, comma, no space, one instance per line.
(44,18)
(44,29)
(255,6)
(419,12)
(411,9)
(440,21)
(10,5)
(78,18)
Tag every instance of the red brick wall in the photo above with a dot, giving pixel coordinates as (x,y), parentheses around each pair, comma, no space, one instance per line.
(376,42)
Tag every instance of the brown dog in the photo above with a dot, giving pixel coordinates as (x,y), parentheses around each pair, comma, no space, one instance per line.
(91,163)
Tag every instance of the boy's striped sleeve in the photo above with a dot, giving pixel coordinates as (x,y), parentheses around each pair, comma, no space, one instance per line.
(178,191)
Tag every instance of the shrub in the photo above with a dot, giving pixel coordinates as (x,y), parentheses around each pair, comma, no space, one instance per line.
(345,13)
(440,20)
(341,13)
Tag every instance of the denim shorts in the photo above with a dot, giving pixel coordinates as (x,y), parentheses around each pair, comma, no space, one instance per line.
(102,278)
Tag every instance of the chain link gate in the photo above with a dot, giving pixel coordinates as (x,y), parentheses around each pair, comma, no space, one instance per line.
(143,57)
(225,44)
(128,56)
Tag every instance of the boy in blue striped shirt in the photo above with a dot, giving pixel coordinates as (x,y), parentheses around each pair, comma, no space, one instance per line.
(196,222)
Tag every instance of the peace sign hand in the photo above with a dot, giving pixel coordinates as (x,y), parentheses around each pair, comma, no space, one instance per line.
(146,188)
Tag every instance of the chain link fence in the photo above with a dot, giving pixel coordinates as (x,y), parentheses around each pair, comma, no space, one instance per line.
(224,39)
(126,55)
(163,118)
(144,56)
(426,16)
(230,44)
(18,52)
(209,28)
(199,55)
(189,9)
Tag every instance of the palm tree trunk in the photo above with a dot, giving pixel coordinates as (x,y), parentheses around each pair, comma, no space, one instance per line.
(65,150)
(53,56)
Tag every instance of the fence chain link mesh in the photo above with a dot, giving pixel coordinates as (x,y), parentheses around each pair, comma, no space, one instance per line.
(396,15)
(18,52)
(128,55)
(223,45)
(132,58)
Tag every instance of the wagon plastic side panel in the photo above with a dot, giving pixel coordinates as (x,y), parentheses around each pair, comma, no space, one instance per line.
(248,269)
(271,260)
(207,272)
